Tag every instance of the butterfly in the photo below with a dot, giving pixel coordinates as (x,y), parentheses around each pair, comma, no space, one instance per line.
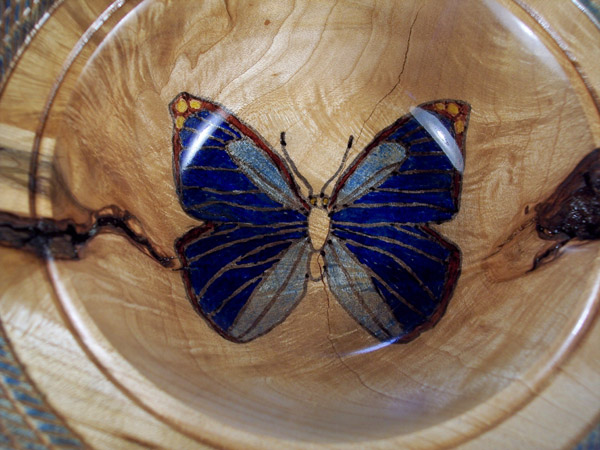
(248,265)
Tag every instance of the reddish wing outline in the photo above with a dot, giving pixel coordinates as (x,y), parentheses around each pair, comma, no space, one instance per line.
(458,117)
(230,118)
(464,110)
(454,269)
(455,257)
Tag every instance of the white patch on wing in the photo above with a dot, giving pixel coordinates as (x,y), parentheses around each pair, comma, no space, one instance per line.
(261,170)
(438,131)
(371,171)
(353,288)
(276,295)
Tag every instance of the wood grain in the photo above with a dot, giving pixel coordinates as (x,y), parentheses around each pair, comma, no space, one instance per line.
(320,71)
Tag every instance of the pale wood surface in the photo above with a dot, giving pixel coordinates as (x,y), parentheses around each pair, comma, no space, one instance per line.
(112,340)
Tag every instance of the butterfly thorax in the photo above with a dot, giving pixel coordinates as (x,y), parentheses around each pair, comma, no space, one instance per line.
(318,226)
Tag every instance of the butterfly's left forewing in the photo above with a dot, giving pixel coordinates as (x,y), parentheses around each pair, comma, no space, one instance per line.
(245,269)
(225,172)
(388,269)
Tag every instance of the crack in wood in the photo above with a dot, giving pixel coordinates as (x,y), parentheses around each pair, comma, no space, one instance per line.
(399,79)
(338,354)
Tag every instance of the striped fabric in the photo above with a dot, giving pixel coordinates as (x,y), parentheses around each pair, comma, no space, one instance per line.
(19,20)
(26,420)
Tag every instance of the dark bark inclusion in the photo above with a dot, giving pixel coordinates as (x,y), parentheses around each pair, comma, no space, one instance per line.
(573,209)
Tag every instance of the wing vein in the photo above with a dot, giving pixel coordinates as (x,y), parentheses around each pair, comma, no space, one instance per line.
(255,174)
(398,205)
(396,242)
(397,294)
(233,265)
(358,224)
(359,191)
(426,237)
(411,191)
(421,141)
(241,240)
(400,263)
(372,315)
(197,206)
(257,263)
(424,171)
(416,154)
(195,131)
(232,295)
(277,294)
(410,133)
(210,147)
(216,125)
(217,191)
(210,168)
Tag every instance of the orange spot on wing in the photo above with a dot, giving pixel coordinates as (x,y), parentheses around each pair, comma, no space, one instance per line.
(453,109)
(459,126)
(181,106)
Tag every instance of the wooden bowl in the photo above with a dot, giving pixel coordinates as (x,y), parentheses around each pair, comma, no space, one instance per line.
(112,339)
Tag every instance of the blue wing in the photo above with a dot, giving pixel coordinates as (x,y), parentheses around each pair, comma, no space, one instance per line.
(410,173)
(246,268)
(224,171)
(395,280)
(388,269)
(245,279)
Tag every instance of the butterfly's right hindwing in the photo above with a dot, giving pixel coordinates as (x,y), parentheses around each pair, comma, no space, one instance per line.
(401,277)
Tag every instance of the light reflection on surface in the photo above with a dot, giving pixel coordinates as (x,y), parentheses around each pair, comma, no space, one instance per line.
(526,37)
(200,137)
(371,348)
(436,128)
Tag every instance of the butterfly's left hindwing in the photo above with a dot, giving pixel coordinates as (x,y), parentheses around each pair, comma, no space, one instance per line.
(400,274)
(246,268)
(245,279)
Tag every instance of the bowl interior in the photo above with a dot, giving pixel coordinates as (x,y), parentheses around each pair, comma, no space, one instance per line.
(321,72)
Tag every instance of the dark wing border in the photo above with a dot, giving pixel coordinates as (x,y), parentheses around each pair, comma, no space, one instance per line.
(463,114)
(229,117)
(452,275)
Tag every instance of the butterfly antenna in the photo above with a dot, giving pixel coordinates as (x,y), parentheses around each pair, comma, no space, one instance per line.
(299,176)
(344,158)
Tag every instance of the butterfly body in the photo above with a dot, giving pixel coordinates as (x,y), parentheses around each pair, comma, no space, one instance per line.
(248,266)
(318,226)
